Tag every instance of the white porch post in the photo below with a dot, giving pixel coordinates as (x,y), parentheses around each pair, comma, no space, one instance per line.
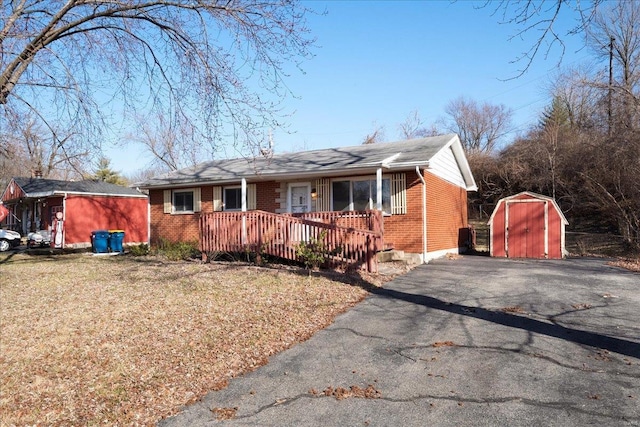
(379,189)
(243,196)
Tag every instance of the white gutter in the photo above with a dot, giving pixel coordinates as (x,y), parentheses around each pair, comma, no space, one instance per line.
(81,193)
(424,215)
(258,177)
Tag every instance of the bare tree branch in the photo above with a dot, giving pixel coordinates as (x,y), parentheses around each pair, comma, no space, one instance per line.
(540,17)
(204,60)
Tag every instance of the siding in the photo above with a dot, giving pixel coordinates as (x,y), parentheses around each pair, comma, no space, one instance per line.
(85,214)
(445,166)
(555,230)
(17,192)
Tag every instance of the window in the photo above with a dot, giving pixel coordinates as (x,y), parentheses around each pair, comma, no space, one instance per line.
(232,198)
(341,197)
(360,195)
(183,201)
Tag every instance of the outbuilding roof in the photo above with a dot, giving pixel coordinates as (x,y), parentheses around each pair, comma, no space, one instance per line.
(42,187)
(401,155)
(531,195)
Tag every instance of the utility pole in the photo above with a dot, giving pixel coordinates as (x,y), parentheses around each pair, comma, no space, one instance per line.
(610,114)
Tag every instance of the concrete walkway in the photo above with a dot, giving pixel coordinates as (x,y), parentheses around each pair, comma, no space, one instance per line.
(473,341)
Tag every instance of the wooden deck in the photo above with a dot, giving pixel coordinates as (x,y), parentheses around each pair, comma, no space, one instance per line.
(349,239)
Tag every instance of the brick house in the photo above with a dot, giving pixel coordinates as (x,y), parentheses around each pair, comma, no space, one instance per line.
(419,185)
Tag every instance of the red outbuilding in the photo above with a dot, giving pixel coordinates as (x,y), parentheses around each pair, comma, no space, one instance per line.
(74,209)
(527,225)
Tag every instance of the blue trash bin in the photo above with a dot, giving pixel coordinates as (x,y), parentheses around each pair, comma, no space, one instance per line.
(116,237)
(100,241)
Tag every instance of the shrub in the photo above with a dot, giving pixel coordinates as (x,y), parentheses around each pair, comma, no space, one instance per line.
(313,252)
(139,250)
(177,251)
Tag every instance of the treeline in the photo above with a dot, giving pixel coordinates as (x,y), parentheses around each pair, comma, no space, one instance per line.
(579,154)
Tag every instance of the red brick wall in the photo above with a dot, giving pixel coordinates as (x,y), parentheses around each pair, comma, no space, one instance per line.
(405,231)
(175,228)
(446,213)
(446,206)
(184,228)
(266,196)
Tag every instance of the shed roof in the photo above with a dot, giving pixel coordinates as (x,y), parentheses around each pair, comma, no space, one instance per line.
(530,195)
(42,187)
(361,158)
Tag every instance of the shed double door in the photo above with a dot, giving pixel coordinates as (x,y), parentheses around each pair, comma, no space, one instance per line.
(526,231)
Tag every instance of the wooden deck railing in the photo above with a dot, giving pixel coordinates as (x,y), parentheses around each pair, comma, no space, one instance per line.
(279,235)
(361,220)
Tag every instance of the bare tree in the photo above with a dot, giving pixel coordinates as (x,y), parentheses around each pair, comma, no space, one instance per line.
(582,101)
(480,127)
(414,127)
(541,18)
(378,135)
(48,152)
(172,142)
(64,61)
(615,38)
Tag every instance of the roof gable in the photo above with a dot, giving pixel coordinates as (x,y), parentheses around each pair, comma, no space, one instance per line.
(402,155)
(528,195)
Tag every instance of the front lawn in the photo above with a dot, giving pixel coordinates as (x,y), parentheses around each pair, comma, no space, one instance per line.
(117,340)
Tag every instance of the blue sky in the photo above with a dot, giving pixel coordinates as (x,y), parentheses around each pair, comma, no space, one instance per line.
(377,61)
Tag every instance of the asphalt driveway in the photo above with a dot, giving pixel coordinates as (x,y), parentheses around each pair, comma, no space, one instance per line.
(472,341)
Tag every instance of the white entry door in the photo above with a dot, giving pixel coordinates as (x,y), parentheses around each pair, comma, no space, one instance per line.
(300,198)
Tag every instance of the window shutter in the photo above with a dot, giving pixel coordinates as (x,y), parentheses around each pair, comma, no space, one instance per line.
(167,201)
(217,198)
(398,194)
(251,197)
(197,200)
(323,194)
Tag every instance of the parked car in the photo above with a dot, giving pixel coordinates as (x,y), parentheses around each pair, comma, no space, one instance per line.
(8,239)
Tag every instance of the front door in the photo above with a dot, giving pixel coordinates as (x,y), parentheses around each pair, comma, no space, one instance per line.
(526,230)
(300,198)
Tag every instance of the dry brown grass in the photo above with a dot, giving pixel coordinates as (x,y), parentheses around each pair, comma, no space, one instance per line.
(120,341)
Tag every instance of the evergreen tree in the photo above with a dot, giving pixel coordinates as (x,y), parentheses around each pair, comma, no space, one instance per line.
(106,174)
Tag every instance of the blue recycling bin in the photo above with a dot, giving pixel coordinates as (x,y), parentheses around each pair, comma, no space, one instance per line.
(100,241)
(116,237)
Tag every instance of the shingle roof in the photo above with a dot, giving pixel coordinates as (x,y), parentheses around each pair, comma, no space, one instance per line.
(41,187)
(401,154)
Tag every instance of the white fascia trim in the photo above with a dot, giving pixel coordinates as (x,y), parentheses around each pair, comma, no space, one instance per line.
(387,162)
(463,163)
(78,193)
(326,173)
